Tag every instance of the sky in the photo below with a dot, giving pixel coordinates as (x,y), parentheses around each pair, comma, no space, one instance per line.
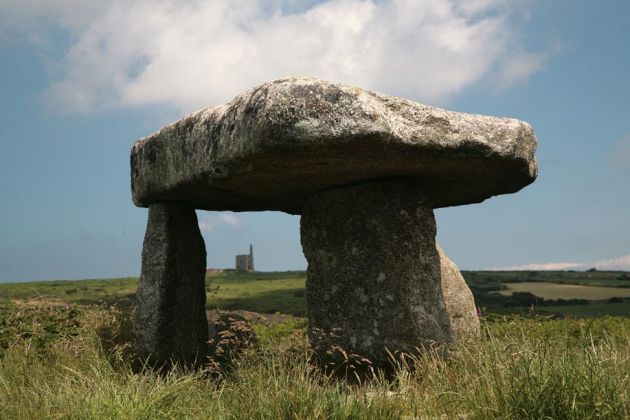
(81,81)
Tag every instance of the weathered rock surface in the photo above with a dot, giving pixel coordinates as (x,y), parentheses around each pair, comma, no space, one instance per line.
(460,304)
(171,323)
(374,276)
(274,146)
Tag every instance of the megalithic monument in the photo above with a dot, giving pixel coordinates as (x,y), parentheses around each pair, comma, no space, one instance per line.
(365,172)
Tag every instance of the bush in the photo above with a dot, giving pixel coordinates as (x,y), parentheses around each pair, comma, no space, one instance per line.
(523,299)
(230,336)
(335,359)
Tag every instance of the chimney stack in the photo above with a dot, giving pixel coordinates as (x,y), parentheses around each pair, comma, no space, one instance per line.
(251,257)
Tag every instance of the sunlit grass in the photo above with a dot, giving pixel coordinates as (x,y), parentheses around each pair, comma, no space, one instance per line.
(519,368)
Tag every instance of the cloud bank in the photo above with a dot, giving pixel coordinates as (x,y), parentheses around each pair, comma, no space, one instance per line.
(544,266)
(620,263)
(189,54)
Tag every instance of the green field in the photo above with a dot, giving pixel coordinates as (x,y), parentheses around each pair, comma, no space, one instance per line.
(259,292)
(266,292)
(586,278)
(72,291)
(571,293)
(565,291)
(271,292)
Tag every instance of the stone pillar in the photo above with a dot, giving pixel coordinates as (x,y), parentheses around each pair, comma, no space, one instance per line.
(374,273)
(171,323)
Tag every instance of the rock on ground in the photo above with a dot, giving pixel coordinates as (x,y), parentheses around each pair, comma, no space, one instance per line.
(460,304)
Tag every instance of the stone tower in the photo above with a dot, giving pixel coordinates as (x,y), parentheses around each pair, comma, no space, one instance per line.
(245,262)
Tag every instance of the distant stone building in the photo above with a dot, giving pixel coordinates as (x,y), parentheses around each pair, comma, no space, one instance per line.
(245,262)
(242,262)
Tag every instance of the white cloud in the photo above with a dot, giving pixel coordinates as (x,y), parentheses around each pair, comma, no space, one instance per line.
(193,53)
(544,266)
(520,67)
(620,263)
(213,221)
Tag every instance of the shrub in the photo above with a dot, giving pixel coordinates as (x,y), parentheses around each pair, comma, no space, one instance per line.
(35,325)
(230,336)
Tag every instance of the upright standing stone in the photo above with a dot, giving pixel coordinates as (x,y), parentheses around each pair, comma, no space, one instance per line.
(171,323)
(374,276)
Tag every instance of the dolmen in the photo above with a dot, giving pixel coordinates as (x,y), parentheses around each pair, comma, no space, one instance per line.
(364,171)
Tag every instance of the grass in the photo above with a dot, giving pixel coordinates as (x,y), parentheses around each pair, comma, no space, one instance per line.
(258,292)
(61,356)
(266,292)
(519,368)
(72,291)
(589,311)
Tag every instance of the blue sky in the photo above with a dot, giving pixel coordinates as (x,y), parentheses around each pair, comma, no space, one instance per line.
(81,81)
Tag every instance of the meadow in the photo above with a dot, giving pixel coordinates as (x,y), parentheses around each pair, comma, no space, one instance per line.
(560,292)
(73,361)
(65,352)
(566,291)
